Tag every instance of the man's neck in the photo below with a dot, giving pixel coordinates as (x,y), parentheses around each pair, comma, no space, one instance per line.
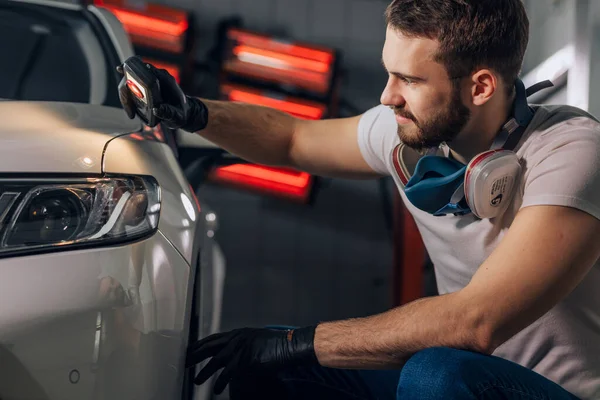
(480,132)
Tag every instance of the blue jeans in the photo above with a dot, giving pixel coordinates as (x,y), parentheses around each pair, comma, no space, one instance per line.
(435,373)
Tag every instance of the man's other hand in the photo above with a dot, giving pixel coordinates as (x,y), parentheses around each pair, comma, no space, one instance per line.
(249,349)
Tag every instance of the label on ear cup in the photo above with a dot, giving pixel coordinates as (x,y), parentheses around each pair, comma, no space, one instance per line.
(499,189)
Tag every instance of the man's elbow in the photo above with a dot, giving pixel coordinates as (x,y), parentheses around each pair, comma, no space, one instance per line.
(489,335)
(485,341)
(478,332)
(474,338)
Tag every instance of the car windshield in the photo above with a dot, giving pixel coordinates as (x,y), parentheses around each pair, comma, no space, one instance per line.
(57,57)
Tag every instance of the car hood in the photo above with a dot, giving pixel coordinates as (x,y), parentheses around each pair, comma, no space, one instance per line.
(56,137)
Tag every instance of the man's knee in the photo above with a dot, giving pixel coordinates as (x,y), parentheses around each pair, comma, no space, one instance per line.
(438,372)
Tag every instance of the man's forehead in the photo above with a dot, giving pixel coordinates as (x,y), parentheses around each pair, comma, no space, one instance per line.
(408,50)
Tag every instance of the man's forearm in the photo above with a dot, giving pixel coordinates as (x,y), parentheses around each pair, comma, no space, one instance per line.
(254,133)
(387,340)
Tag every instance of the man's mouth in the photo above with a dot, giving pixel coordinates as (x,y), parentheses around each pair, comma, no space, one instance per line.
(403,120)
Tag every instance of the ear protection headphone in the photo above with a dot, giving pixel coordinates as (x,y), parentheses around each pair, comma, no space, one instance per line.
(485,186)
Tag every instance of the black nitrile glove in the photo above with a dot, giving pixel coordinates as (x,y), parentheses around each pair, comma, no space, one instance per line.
(251,350)
(176,110)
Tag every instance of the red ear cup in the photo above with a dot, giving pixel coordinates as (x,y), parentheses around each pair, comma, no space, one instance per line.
(490,181)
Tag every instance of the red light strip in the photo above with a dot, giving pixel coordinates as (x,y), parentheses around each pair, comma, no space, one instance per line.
(269,59)
(292,108)
(255,40)
(308,79)
(132,19)
(274,59)
(277,181)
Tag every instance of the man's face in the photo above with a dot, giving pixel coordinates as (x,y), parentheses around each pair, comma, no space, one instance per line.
(428,106)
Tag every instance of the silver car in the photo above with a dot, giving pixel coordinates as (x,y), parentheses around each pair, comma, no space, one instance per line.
(109,264)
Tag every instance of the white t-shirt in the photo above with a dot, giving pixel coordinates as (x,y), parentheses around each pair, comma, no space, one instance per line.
(561,154)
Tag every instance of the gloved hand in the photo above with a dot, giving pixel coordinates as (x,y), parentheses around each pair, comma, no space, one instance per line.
(251,350)
(176,110)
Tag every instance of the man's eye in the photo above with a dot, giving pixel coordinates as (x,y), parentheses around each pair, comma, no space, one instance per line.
(404,79)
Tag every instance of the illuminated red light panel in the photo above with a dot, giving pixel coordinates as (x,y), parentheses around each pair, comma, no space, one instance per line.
(155,26)
(265,58)
(284,182)
(297,107)
(172,69)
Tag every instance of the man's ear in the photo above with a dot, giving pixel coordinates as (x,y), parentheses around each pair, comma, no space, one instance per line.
(484,86)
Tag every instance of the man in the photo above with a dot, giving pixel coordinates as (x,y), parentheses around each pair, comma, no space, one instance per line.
(518,315)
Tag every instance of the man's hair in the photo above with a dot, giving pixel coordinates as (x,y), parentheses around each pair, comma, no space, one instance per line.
(472,34)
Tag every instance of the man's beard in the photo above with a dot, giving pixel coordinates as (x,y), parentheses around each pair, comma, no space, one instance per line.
(442,127)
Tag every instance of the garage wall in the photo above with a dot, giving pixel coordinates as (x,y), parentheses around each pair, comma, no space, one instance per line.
(295,264)
(552,26)
(558,23)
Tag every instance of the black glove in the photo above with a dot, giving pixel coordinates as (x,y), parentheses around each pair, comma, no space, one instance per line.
(251,350)
(176,110)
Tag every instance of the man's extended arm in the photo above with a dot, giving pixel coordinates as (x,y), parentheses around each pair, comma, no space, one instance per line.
(542,258)
(260,134)
(269,136)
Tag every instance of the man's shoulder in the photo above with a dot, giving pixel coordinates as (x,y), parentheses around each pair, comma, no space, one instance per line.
(561,159)
(552,118)
(559,123)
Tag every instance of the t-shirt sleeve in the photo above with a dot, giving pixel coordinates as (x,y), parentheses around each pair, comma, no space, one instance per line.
(566,169)
(377,137)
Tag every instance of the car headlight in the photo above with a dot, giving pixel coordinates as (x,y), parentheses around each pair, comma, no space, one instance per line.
(45,215)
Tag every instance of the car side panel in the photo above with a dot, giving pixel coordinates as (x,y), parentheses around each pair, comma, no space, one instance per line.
(104,323)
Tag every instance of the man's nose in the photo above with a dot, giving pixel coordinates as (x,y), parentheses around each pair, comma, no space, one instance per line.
(391,95)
